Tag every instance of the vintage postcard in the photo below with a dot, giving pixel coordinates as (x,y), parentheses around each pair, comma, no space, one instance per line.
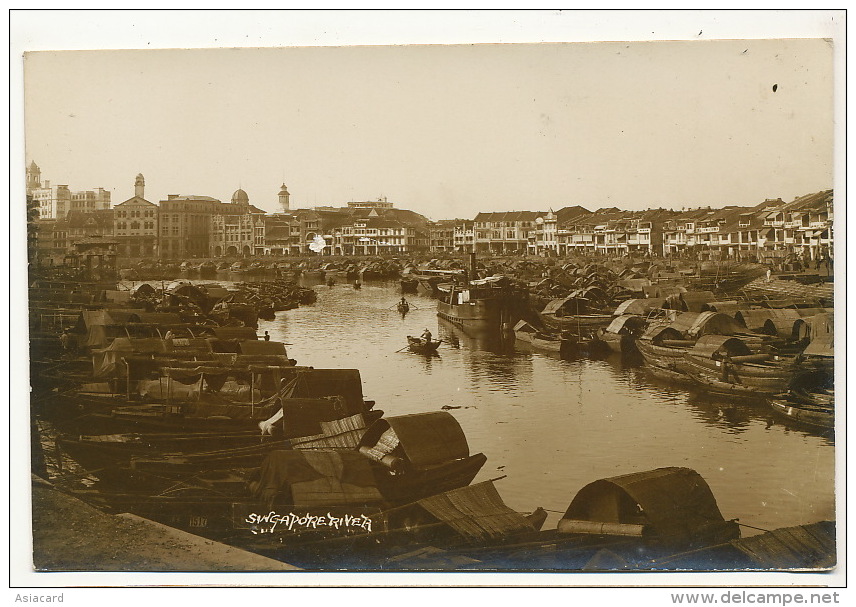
(561,308)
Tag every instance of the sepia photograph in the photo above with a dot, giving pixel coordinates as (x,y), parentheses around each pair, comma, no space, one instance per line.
(549,306)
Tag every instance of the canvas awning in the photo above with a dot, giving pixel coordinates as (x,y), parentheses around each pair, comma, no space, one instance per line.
(476,512)
(670,503)
(317,478)
(426,438)
(714,346)
(803,547)
(639,306)
(694,324)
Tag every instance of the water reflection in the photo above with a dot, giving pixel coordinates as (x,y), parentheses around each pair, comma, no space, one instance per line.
(554,424)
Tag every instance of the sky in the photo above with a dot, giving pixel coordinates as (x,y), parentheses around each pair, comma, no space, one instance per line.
(447,131)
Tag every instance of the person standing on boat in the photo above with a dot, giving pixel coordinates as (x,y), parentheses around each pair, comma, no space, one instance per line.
(426,335)
(65,340)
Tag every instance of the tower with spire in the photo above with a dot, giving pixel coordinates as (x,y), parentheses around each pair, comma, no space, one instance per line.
(140,186)
(283,199)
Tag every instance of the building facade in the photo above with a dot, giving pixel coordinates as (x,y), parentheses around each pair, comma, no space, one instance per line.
(55,202)
(185,226)
(135,225)
(465,236)
(504,233)
(237,229)
(442,235)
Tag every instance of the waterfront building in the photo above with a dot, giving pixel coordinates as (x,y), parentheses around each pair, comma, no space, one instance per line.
(504,232)
(282,234)
(442,235)
(464,237)
(237,229)
(185,226)
(802,226)
(55,202)
(135,224)
(550,234)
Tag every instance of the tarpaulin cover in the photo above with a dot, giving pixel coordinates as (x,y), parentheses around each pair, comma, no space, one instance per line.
(694,300)
(709,345)
(144,290)
(426,438)
(673,503)
(216,293)
(163,389)
(319,383)
(314,478)
(623,324)
(259,347)
(106,360)
(726,307)
(303,416)
(567,305)
(803,547)
(754,320)
(117,296)
(639,306)
(694,324)
(634,284)
(476,512)
(522,325)
(822,336)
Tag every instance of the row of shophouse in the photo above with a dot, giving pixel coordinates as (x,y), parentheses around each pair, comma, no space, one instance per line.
(771,229)
(193,227)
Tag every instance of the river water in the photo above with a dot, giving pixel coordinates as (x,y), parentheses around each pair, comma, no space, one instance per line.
(550,425)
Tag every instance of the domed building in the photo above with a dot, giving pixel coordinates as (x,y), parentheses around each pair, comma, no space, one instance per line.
(240,197)
(238,229)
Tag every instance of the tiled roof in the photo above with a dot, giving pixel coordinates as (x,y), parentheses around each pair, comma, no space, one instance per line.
(135,200)
(80,219)
(507,216)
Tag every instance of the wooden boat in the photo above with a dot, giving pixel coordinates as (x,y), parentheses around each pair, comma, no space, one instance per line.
(573,315)
(314,274)
(809,401)
(98,451)
(727,365)
(421,346)
(664,343)
(409,285)
(621,334)
(619,523)
(483,306)
(403,307)
(399,461)
(551,342)
(207,269)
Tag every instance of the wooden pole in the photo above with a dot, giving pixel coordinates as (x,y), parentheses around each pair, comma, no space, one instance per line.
(128,379)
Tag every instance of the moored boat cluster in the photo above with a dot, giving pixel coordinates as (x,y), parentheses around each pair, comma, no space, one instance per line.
(170,405)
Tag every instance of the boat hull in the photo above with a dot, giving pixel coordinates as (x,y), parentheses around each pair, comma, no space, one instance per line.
(480,316)
(815,417)
(731,378)
(580,324)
